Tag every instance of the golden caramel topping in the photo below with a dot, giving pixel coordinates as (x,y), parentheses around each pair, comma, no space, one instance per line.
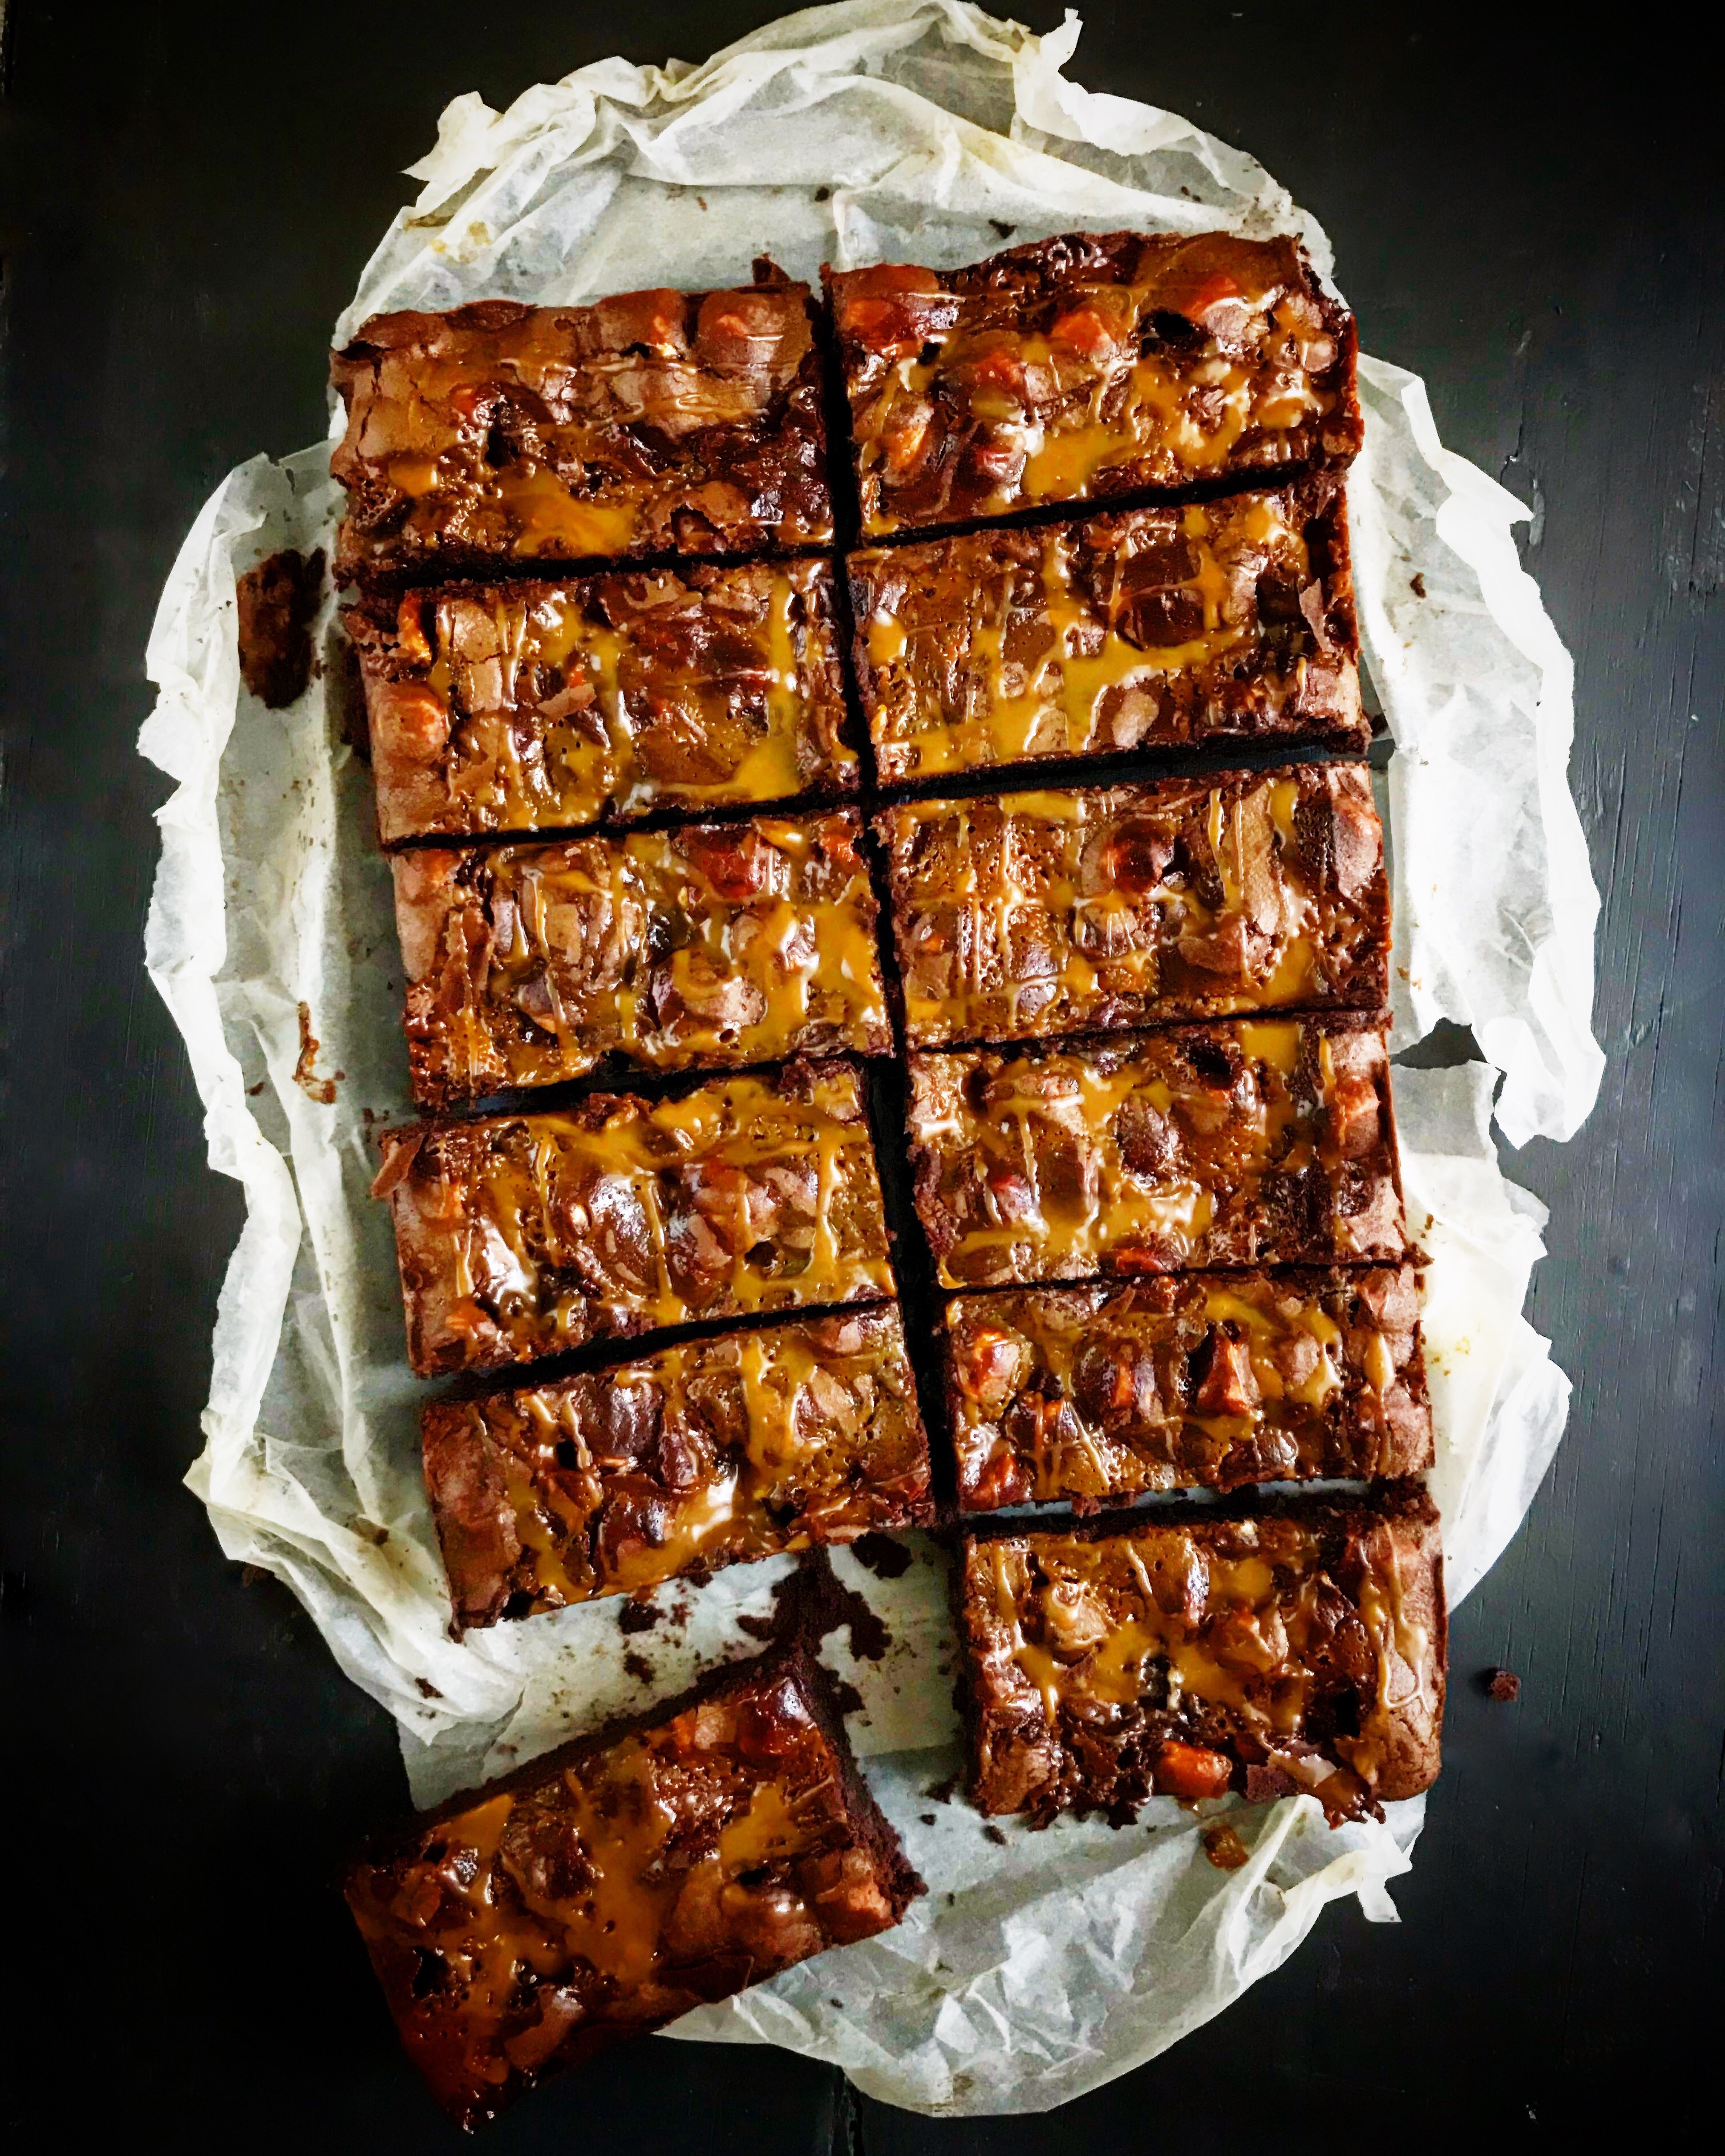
(709,1454)
(708,945)
(520,1235)
(651,422)
(1043,913)
(1192,1380)
(614,1885)
(1258,1141)
(1186,1658)
(1147,627)
(532,706)
(1087,366)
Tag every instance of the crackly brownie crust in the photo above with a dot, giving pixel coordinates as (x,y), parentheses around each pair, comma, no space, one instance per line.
(651,422)
(522,1235)
(710,1453)
(1028,915)
(702,947)
(1090,366)
(1229,620)
(539,707)
(615,1883)
(1094,1395)
(1254,1141)
(1258,1651)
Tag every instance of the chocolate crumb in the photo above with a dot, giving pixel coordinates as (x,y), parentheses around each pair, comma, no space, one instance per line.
(882,1555)
(253,1091)
(322,1089)
(277,601)
(942,1792)
(637,1617)
(1265,1784)
(926,1818)
(1224,1847)
(1503,1685)
(428,1690)
(639,1667)
(758,1628)
(991,1833)
(1416,585)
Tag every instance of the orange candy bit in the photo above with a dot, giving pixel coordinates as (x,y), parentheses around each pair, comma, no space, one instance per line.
(1083,331)
(1190,1772)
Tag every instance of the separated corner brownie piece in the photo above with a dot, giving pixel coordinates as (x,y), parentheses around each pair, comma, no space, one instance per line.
(1026,915)
(531,706)
(1094,1395)
(522,1235)
(1287,1650)
(1229,620)
(651,422)
(1090,366)
(617,1882)
(710,1453)
(712,944)
(1259,1141)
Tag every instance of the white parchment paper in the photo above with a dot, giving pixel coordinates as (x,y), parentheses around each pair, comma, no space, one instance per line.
(886,128)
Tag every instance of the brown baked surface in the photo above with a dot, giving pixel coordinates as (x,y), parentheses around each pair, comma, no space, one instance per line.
(1090,366)
(522,1235)
(535,707)
(1093,1395)
(1254,1141)
(711,1453)
(1261,1654)
(619,1881)
(651,422)
(1022,916)
(710,945)
(1219,621)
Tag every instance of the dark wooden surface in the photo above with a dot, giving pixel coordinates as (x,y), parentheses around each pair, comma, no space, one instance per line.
(1533,221)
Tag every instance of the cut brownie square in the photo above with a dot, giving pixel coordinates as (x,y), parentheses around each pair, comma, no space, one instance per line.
(1094,365)
(706,946)
(617,1882)
(1221,621)
(535,707)
(1258,1142)
(522,1235)
(651,422)
(1261,1653)
(710,1453)
(1092,1395)
(1028,915)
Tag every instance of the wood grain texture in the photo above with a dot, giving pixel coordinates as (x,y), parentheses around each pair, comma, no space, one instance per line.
(189,198)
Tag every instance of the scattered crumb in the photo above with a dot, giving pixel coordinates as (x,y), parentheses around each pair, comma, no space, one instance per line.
(882,1555)
(253,1091)
(639,1667)
(942,1792)
(1416,585)
(427,1688)
(926,1818)
(1224,1847)
(321,1090)
(837,2005)
(277,601)
(1503,1685)
(991,1833)
(637,1617)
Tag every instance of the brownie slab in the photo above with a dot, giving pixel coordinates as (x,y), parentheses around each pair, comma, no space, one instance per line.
(1093,1395)
(620,1881)
(1027,914)
(1229,620)
(1091,366)
(1258,1142)
(707,1453)
(535,707)
(522,1235)
(706,946)
(651,422)
(1258,1653)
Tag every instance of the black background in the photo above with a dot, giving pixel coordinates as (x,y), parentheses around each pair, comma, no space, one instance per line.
(1532,217)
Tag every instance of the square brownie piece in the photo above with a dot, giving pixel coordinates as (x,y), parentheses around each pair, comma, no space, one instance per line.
(1257,1652)
(607,1888)
(1092,366)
